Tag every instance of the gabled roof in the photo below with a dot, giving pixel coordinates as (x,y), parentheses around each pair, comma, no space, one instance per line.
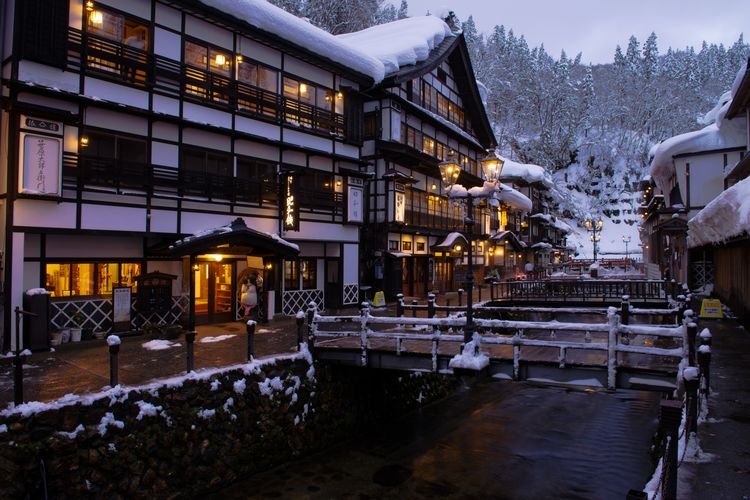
(236,236)
(741,99)
(455,51)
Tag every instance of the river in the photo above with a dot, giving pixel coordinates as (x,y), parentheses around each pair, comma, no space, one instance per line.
(495,439)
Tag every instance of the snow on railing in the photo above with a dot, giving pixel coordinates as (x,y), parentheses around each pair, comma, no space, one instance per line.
(449,329)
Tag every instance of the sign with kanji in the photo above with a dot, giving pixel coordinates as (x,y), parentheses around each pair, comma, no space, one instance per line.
(399,209)
(289,204)
(355,200)
(40,165)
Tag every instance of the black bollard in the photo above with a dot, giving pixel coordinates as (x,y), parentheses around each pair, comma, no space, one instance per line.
(691,377)
(400,304)
(460,296)
(625,310)
(113,341)
(190,341)
(670,414)
(479,287)
(414,308)
(300,328)
(704,363)
(250,326)
(706,337)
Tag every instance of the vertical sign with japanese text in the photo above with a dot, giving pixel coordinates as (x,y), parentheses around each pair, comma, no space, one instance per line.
(289,204)
(399,211)
(40,162)
(355,200)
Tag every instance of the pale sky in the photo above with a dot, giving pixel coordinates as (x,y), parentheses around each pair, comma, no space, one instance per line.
(596,27)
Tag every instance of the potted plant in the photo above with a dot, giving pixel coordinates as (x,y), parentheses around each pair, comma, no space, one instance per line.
(75,332)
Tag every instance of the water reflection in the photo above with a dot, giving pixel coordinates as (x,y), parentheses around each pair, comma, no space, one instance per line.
(493,440)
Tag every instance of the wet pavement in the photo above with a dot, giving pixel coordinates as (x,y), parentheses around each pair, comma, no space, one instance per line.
(493,440)
(725,473)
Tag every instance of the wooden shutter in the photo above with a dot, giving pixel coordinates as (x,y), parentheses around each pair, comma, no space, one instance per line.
(353,117)
(44,31)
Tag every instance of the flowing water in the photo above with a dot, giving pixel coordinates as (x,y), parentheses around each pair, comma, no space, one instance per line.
(490,440)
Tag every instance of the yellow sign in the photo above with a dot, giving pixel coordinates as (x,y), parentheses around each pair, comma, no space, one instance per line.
(711,308)
(379,300)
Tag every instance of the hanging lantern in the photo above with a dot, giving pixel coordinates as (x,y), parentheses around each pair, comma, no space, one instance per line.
(492,166)
(449,170)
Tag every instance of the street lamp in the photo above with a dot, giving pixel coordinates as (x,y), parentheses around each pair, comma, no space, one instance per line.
(492,165)
(626,240)
(595,228)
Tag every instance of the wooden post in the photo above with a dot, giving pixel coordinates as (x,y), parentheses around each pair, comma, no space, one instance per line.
(517,356)
(312,309)
(692,332)
(625,310)
(400,304)
(670,414)
(430,305)
(614,326)
(706,338)
(364,313)
(300,318)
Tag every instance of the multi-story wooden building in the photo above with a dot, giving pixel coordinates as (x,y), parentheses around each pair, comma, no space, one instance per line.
(415,118)
(130,125)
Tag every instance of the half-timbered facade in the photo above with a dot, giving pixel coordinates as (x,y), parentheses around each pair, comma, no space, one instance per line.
(130,124)
(413,120)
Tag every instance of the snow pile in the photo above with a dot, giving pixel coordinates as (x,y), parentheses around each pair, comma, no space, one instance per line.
(113,340)
(719,134)
(727,216)
(37,291)
(159,345)
(269,385)
(401,43)
(276,21)
(206,414)
(469,359)
(108,420)
(72,435)
(240,386)
(526,171)
(211,340)
(146,410)
(514,199)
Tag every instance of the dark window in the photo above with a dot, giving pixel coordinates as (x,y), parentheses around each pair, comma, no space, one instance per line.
(211,163)
(113,160)
(353,118)
(393,245)
(371,128)
(309,272)
(291,275)
(44,34)
(257,181)
(420,246)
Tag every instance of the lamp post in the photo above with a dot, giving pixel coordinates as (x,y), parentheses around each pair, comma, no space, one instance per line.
(595,228)
(492,165)
(626,240)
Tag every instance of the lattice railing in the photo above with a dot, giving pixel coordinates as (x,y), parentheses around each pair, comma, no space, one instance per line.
(351,293)
(296,300)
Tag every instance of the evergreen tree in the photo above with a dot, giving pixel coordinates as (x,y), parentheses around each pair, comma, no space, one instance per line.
(403,10)
(650,58)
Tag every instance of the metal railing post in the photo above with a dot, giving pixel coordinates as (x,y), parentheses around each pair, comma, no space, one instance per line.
(190,341)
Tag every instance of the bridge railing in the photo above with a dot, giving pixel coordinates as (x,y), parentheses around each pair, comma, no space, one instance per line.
(431,309)
(582,290)
(366,333)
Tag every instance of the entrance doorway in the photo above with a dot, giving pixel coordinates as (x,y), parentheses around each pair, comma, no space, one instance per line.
(214,292)
(333,288)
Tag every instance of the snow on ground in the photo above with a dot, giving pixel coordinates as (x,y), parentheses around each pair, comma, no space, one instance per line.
(727,216)
(160,345)
(211,340)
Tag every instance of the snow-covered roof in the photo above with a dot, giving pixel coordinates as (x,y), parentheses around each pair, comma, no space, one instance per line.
(526,171)
(514,199)
(554,222)
(451,239)
(498,191)
(719,134)
(272,19)
(400,43)
(727,216)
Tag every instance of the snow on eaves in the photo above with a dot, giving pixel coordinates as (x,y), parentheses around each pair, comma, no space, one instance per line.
(526,171)
(727,216)
(400,43)
(269,18)
(719,134)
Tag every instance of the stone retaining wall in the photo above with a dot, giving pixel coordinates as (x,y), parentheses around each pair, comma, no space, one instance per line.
(183,437)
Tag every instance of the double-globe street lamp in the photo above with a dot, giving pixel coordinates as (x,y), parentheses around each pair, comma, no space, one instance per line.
(492,165)
(626,240)
(595,228)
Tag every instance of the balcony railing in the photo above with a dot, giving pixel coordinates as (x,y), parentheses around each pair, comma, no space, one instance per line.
(321,200)
(111,60)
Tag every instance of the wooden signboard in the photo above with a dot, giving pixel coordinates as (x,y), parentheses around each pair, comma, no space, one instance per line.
(121,309)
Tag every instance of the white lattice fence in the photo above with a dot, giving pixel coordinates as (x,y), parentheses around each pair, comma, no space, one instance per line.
(97,313)
(296,300)
(351,293)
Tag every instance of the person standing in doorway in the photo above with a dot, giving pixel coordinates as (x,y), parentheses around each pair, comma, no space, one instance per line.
(249,296)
